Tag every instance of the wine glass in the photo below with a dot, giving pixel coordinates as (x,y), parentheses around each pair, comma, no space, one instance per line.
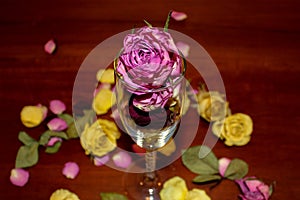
(151,114)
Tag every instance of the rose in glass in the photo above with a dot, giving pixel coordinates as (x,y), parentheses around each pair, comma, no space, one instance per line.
(149,60)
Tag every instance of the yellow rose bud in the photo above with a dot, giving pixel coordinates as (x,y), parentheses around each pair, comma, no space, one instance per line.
(32,116)
(63,194)
(235,129)
(197,194)
(106,76)
(174,188)
(103,101)
(98,139)
(212,105)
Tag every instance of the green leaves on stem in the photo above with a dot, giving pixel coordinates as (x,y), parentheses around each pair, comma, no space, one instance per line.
(202,161)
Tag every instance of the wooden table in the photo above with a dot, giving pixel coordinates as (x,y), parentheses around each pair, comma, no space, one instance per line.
(255,45)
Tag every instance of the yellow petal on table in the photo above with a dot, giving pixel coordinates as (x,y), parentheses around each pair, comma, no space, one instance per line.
(106,76)
(168,149)
(109,128)
(32,116)
(174,188)
(197,194)
(63,194)
(103,101)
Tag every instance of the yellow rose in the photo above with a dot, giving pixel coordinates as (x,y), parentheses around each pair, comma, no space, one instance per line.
(99,138)
(235,129)
(174,188)
(63,194)
(197,194)
(212,105)
(32,116)
(103,101)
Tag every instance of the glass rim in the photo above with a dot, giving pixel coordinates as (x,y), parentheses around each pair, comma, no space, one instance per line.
(143,90)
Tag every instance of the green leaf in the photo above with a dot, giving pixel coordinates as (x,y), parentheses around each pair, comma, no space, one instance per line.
(72,131)
(87,118)
(112,196)
(207,155)
(48,134)
(25,138)
(27,155)
(167,21)
(148,24)
(68,118)
(206,178)
(191,160)
(54,148)
(236,169)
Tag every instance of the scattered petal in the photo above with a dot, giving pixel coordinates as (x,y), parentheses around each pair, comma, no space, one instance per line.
(53,140)
(32,116)
(70,170)
(99,161)
(57,124)
(106,76)
(183,48)
(178,16)
(103,101)
(44,109)
(62,194)
(223,164)
(174,188)
(57,106)
(19,177)
(50,46)
(102,86)
(122,159)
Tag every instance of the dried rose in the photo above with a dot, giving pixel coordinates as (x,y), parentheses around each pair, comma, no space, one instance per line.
(103,101)
(254,189)
(212,106)
(70,170)
(19,177)
(32,116)
(63,194)
(57,106)
(99,138)
(235,129)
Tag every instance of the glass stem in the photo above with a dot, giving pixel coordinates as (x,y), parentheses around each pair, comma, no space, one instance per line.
(150,158)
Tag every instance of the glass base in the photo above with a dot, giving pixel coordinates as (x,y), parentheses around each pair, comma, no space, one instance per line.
(146,186)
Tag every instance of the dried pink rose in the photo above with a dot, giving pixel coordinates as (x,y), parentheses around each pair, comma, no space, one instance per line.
(178,16)
(254,189)
(19,177)
(53,140)
(122,159)
(99,161)
(70,170)
(50,46)
(183,48)
(57,124)
(223,164)
(57,106)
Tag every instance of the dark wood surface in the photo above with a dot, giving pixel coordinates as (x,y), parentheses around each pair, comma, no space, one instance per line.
(255,45)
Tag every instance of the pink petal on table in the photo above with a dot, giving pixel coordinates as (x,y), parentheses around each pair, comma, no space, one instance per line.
(99,161)
(70,170)
(178,16)
(53,140)
(19,177)
(122,159)
(253,184)
(223,164)
(57,124)
(50,46)
(57,106)
(183,48)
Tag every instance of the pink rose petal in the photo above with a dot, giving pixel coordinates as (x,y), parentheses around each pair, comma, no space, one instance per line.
(99,161)
(183,48)
(53,140)
(57,106)
(19,177)
(44,109)
(178,16)
(50,46)
(223,164)
(122,159)
(265,190)
(70,170)
(57,124)
(253,184)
